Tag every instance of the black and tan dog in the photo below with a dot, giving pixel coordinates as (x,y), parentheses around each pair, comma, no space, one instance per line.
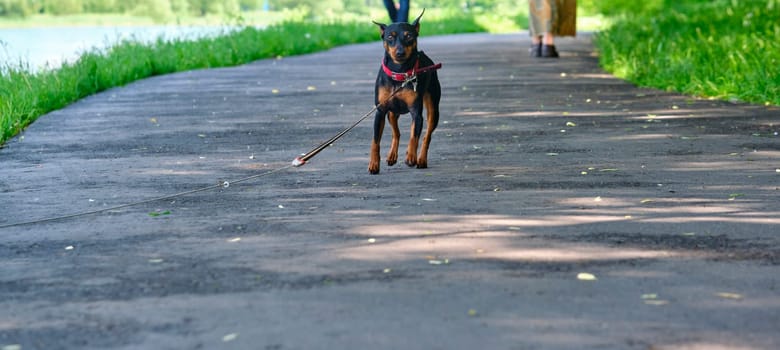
(406,83)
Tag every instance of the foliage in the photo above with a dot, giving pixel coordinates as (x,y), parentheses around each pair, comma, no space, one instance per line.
(165,9)
(151,8)
(722,48)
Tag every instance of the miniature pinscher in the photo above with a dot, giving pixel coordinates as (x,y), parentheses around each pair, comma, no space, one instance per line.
(407,82)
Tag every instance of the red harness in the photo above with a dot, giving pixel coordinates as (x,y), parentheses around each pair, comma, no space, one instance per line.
(410,74)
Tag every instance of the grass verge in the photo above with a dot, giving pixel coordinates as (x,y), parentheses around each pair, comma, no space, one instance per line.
(722,48)
(25,96)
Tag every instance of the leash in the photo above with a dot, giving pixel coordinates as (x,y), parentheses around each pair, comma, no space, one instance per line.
(297,162)
(221,184)
(406,78)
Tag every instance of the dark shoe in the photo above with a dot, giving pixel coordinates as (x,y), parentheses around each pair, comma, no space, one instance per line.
(536,50)
(549,51)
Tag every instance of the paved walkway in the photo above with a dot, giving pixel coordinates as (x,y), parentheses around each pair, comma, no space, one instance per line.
(543,176)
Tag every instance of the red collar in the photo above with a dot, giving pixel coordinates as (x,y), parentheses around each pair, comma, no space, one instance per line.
(408,74)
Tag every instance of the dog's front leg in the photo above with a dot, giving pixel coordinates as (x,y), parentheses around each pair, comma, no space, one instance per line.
(392,156)
(432,108)
(379,126)
(414,139)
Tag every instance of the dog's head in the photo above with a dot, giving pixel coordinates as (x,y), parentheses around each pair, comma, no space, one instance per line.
(400,39)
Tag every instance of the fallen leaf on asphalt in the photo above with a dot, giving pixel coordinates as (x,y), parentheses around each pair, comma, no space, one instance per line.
(735,195)
(275,91)
(656,302)
(439,262)
(233,240)
(158,213)
(311,88)
(597,199)
(472,312)
(371,240)
(70,247)
(570,124)
(155,261)
(584,276)
(387,270)
(583,173)
(552,154)
(12,347)
(608,169)
(729,295)
(280,206)
(229,337)
(649,296)
(646,200)
(689,234)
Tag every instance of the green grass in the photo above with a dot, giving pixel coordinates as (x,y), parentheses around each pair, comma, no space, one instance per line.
(25,96)
(723,49)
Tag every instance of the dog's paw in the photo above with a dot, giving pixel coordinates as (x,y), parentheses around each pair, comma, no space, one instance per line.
(373,169)
(392,159)
(411,160)
(422,163)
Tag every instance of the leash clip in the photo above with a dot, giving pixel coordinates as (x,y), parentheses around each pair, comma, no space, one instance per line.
(298,161)
(411,78)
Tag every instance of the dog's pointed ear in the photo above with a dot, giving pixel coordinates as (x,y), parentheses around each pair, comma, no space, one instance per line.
(416,23)
(382,28)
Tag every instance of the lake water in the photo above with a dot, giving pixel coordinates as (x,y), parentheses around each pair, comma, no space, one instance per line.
(49,47)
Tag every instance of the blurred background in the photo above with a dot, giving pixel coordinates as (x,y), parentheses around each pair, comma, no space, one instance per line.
(45,33)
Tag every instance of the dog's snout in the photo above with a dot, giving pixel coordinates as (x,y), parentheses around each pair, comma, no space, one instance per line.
(400,51)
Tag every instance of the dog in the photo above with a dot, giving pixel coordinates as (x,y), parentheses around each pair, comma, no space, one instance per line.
(407,82)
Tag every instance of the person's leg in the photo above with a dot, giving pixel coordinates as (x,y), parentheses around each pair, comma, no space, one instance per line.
(539,24)
(548,39)
(391,11)
(403,11)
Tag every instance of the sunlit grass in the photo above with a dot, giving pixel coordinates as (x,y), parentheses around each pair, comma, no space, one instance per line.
(723,49)
(24,96)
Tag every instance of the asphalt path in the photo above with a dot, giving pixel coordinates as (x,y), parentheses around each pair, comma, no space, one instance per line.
(562,209)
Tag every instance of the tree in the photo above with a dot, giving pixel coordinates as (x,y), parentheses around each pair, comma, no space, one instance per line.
(16,8)
(63,7)
(204,7)
(158,10)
